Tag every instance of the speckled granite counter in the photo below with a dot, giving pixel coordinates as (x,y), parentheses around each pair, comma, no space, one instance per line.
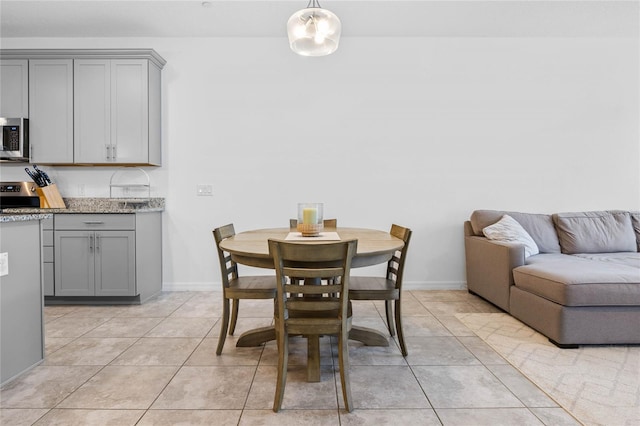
(94,205)
(17,217)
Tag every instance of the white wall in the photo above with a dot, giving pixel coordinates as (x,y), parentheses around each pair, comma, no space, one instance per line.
(416,131)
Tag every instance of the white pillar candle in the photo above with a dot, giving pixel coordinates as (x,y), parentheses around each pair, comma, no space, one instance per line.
(309,216)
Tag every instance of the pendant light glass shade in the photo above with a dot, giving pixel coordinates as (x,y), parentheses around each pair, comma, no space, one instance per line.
(314,31)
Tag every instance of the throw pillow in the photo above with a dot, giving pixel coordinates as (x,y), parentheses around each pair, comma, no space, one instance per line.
(509,230)
(595,232)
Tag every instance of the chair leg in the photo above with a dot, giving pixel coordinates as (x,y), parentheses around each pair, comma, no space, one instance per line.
(390,325)
(403,346)
(224,324)
(283,361)
(313,358)
(343,358)
(234,316)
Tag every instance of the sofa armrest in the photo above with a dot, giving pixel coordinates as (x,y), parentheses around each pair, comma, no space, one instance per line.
(489,266)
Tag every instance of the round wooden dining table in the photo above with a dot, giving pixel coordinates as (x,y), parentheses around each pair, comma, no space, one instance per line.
(251,248)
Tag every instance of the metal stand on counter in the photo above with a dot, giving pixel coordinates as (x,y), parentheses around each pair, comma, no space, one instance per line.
(131,186)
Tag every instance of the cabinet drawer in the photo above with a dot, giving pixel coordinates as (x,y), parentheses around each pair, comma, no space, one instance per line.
(47,254)
(47,275)
(95,221)
(47,237)
(47,223)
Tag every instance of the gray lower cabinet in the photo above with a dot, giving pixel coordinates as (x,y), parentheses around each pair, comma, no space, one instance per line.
(95,263)
(107,255)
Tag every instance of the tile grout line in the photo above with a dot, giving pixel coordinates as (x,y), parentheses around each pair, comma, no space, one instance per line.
(181,365)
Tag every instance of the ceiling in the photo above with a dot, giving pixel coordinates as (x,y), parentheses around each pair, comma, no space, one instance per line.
(360,18)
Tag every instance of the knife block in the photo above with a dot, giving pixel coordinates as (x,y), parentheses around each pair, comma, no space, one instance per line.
(50,197)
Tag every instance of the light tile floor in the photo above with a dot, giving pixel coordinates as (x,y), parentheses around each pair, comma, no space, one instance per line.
(155,364)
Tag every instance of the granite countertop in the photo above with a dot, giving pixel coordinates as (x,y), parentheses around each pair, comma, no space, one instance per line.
(94,205)
(22,217)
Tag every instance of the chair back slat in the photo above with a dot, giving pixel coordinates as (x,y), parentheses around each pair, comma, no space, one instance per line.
(306,306)
(312,289)
(327,272)
(395,266)
(228,268)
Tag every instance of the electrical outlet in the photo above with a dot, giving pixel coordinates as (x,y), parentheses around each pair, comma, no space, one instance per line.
(204,190)
(81,189)
(4,264)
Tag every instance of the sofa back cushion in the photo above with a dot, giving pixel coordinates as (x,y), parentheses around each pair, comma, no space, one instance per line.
(539,226)
(595,232)
(635,221)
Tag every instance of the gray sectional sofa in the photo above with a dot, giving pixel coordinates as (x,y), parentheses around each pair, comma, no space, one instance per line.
(581,287)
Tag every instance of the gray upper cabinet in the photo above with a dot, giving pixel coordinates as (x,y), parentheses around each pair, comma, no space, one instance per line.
(14,101)
(114,121)
(92,116)
(51,110)
(93,106)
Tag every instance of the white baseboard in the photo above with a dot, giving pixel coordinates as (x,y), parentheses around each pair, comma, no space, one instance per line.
(434,285)
(192,286)
(410,285)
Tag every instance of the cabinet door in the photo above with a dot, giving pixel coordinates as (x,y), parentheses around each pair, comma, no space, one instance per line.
(115,263)
(92,111)
(51,110)
(14,102)
(130,110)
(74,263)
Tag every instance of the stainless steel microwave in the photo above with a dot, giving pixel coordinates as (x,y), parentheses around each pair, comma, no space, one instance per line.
(14,139)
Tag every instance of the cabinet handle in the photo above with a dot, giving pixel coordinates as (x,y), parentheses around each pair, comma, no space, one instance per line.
(114,152)
(97,242)
(93,222)
(90,242)
(108,147)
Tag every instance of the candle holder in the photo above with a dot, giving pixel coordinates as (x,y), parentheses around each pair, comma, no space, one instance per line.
(310,219)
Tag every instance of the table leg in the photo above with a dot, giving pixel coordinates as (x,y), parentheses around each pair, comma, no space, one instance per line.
(256,337)
(368,336)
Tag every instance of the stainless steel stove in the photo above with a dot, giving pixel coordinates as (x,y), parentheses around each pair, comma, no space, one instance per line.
(18,194)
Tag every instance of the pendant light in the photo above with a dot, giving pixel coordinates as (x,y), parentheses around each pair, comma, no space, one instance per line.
(314,31)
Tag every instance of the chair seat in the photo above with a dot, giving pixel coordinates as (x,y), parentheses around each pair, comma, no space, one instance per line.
(252,287)
(372,288)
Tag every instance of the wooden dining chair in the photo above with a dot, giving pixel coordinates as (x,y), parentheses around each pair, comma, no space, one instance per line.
(235,287)
(311,310)
(328,223)
(387,288)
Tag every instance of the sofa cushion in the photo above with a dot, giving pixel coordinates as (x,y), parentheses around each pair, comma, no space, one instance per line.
(595,232)
(539,226)
(635,221)
(509,230)
(598,280)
